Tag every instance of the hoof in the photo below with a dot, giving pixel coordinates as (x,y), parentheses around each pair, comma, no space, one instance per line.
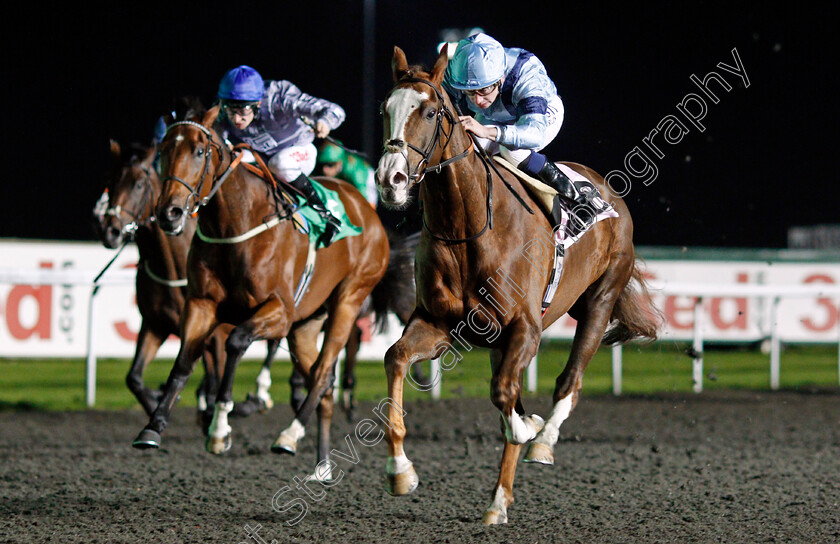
(266,404)
(403,483)
(218,446)
(494,517)
(539,453)
(146,440)
(284,444)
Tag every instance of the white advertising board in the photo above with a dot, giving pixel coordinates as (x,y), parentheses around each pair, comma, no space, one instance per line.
(51,320)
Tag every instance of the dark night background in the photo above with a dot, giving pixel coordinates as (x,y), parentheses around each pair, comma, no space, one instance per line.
(75,77)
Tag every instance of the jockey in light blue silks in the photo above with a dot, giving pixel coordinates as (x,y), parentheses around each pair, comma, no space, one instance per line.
(267,117)
(517,113)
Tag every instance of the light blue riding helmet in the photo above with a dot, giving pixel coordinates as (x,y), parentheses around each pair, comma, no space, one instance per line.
(242,84)
(479,61)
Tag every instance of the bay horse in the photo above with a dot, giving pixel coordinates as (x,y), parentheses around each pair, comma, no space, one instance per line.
(244,270)
(125,213)
(482,267)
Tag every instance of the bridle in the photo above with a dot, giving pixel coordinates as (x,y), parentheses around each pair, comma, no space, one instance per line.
(102,209)
(422,169)
(443,111)
(194,200)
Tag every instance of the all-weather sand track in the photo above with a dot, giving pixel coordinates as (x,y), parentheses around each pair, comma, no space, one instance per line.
(721,466)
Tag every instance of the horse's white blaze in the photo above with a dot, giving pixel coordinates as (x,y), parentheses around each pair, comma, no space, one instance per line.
(559,413)
(295,431)
(219,427)
(398,465)
(179,138)
(401,104)
(263,384)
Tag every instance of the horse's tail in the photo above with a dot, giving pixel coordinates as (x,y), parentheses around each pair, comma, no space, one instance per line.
(396,292)
(634,314)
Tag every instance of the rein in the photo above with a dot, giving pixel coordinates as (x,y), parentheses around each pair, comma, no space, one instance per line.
(217,184)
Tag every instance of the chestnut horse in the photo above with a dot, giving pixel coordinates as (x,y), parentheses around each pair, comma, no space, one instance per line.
(123,214)
(244,269)
(483,266)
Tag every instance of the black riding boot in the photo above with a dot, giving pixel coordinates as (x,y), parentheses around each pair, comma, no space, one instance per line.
(332,224)
(584,199)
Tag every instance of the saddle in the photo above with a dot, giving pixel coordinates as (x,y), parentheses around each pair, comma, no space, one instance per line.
(556,208)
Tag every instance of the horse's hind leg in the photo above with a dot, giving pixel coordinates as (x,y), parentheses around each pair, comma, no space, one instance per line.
(348,379)
(592,311)
(264,377)
(420,340)
(259,401)
(148,343)
(338,327)
(303,345)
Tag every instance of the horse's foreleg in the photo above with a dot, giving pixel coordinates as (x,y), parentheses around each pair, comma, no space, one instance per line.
(420,340)
(323,471)
(597,306)
(506,387)
(197,323)
(269,321)
(148,343)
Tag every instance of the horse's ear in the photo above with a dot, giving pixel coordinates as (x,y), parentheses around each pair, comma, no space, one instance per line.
(210,116)
(149,157)
(439,68)
(116,156)
(399,66)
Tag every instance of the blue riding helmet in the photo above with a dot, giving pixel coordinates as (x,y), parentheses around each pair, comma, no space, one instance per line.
(243,84)
(479,62)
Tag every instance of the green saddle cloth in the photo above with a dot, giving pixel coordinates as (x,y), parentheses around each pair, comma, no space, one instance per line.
(316,223)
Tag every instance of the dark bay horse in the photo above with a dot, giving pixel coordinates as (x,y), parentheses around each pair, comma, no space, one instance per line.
(125,213)
(482,268)
(244,270)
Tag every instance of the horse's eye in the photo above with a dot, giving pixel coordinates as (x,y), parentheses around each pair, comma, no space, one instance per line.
(431,114)
(199,152)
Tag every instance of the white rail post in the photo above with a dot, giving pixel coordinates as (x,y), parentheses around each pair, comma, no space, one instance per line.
(697,369)
(775,345)
(532,375)
(436,377)
(90,364)
(616,369)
